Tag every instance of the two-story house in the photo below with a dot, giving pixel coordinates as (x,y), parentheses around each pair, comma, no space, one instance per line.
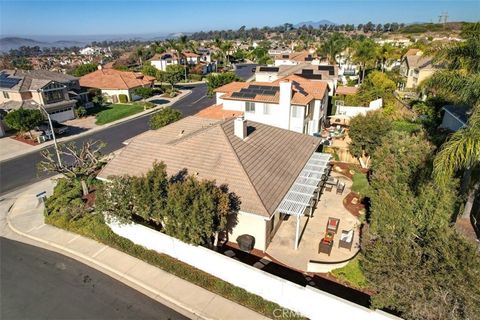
(293,103)
(162,60)
(39,88)
(416,67)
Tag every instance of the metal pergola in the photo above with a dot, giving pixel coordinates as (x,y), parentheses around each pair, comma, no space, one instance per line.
(306,188)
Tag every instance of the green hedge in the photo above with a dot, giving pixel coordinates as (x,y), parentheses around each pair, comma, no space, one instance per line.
(93,226)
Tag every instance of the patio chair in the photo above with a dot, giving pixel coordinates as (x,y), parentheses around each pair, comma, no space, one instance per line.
(346,239)
(325,246)
(332,224)
(340,187)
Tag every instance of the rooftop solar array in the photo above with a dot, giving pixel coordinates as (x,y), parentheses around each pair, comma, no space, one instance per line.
(310,179)
(254,90)
(330,69)
(268,69)
(8,82)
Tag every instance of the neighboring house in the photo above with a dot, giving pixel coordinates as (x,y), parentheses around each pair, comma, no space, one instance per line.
(114,83)
(416,67)
(259,163)
(293,103)
(191,57)
(307,71)
(205,55)
(162,60)
(32,89)
(279,51)
(295,58)
(455,117)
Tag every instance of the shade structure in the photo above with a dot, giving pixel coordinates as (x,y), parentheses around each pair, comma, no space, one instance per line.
(302,192)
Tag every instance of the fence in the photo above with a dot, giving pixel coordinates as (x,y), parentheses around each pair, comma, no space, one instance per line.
(308,301)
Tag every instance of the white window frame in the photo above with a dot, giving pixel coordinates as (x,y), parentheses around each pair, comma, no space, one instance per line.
(250,106)
(267,109)
(296,112)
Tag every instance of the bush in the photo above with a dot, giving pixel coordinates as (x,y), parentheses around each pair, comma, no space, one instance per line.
(123,98)
(217,80)
(195,77)
(66,199)
(164,117)
(24,120)
(81,112)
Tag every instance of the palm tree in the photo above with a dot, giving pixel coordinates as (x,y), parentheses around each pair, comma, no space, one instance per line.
(388,53)
(460,82)
(332,47)
(365,54)
(178,47)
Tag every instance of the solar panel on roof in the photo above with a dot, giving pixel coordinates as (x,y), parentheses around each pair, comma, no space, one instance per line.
(330,69)
(269,69)
(311,76)
(7,82)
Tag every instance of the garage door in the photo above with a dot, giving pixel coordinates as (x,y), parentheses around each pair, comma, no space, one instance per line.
(63,115)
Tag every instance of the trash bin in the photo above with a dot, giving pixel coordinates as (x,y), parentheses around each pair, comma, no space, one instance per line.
(246,242)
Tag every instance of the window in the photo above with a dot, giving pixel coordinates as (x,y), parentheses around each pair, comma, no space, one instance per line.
(250,106)
(297,112)
(267,108)
(5,95)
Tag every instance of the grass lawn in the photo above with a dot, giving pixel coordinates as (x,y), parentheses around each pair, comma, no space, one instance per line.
(352,274)
(117,111)
(360,183)
(406,126)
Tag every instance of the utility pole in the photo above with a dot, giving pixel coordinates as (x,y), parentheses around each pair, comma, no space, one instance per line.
(53,135)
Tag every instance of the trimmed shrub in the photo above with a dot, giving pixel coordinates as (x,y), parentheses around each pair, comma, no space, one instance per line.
(81,112)
(123,98)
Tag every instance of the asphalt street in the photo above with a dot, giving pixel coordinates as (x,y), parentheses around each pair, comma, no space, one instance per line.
(39,284)
(22,170)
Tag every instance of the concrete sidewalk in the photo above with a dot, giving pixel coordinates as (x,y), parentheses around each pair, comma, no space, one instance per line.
(26,219)
(10,152)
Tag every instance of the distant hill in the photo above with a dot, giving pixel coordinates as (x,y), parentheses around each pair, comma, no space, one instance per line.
(9,43)
(314,24)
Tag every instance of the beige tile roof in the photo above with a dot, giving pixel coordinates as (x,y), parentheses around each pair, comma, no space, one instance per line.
(259,169)
(115,79)
(346,90)
(295,56)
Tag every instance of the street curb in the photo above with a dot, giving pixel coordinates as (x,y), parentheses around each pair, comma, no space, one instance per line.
(100,128)
(197,313)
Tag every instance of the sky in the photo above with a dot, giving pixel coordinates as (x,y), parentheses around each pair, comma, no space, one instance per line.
(114,17)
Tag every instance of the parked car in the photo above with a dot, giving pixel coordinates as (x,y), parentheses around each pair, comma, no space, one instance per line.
(58,128)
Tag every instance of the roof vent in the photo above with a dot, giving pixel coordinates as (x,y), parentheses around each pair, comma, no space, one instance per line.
(240,127)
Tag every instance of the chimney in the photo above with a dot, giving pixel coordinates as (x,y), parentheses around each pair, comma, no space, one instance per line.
(285,93)
(240,127)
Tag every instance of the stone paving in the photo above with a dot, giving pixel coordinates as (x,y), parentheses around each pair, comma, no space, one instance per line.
(312,230)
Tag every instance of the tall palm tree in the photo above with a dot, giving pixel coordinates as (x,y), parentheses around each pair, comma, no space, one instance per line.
(332,46)
(365,54)
(388,53)
(460,82)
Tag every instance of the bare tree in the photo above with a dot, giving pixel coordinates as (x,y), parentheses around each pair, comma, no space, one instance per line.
(77,163)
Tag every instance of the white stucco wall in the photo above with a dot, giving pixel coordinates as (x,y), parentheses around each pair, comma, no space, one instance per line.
(252,224)
(115,92)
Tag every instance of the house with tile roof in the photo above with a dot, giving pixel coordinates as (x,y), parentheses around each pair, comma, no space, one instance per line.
(56,92)
(416,67)
(258,162)
(308,71)
(114,83)
(293,102)
(295,58)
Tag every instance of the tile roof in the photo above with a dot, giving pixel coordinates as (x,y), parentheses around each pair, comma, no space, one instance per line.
(412,52)
(346,90)
(286,70)
(419,61)
(115,79)
(217,112)
(35,79)
(303,90)
(260,168)
(295,56)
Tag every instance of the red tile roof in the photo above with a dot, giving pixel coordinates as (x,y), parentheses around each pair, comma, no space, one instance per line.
(303,90)
(115,79)
(217,112)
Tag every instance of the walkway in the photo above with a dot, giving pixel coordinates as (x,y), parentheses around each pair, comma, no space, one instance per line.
(26,219)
